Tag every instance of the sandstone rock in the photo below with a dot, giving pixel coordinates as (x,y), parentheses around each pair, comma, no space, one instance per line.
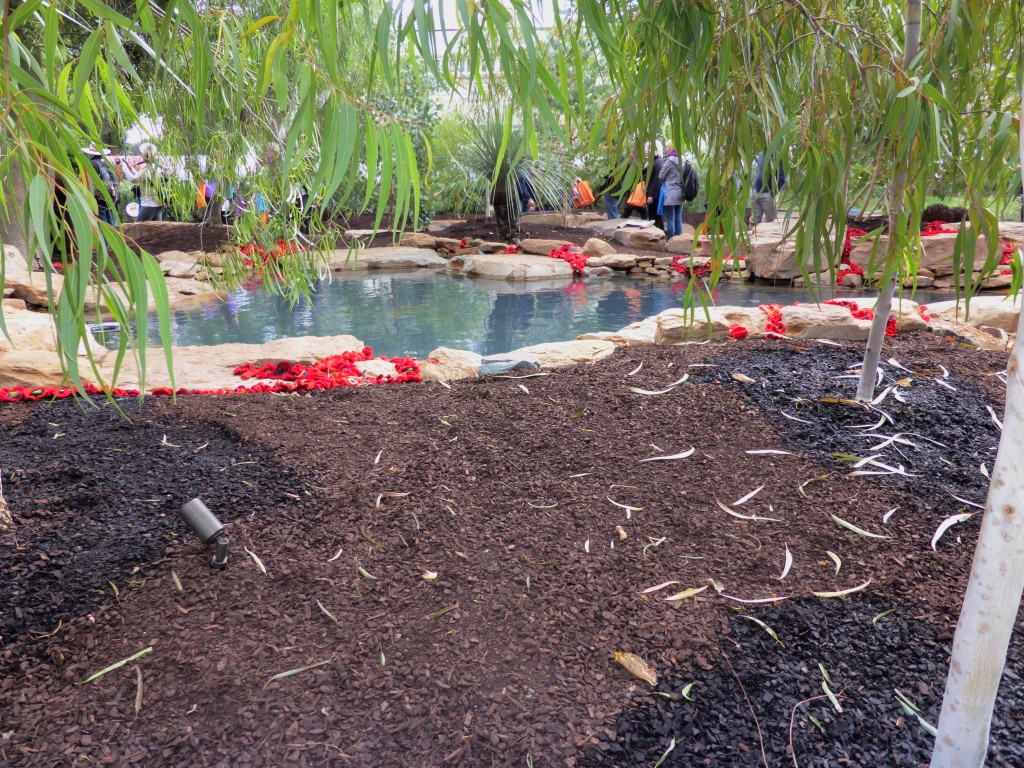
(22,283)
(597,247)
(184,270)
(771,258)
(640,237)
(493,247)
(543,218)
(852,281)
(26,368)
(456,243)
(997,282)
(513,266)
(541,247)
(598,272)
(210,367)
(826,321)
(680,244)
(506,363)
(595,261)
(619,261)
(925,272)
(390,257)
(922,282)
(15,304)
(819,281)
(989,311)
(1012,231)
(445,364)
(641,333)
(560,354)
(943,283)
(664,261)
(175,256)
(971,335)
(677,325)
(419,240)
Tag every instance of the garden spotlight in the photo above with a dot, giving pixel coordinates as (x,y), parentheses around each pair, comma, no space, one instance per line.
(204,524)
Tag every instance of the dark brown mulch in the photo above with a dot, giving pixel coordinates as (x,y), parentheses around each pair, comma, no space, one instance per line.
(506,654)
(177,236)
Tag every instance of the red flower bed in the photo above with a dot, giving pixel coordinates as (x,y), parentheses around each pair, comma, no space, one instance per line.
(514,249)
(935,228)
(738,332)
(576,260)
(258,256)
(329,373)
(846,268)
(864,314)
(923,312)
(679,265)
(775,328)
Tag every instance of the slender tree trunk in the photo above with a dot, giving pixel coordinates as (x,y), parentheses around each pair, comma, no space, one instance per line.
(994,591)
(876,337)
(10,225)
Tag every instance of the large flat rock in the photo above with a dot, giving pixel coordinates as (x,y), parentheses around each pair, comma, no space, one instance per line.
(1001,312)
(389,257)
(518,266)
(560,354)
(210,367)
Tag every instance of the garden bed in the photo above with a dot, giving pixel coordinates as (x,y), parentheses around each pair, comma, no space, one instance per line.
(514,495)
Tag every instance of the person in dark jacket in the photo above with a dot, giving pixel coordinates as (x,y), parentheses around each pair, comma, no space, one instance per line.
(670,177)
(651,178)
(766,188)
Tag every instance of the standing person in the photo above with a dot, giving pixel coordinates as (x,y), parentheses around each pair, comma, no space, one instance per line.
(766,188)
(108,184)
(671,179)
(150,207)
(611,197)
(652,175)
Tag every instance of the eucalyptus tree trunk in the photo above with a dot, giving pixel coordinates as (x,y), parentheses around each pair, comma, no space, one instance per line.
(994,590)
(876,337)
(11,232)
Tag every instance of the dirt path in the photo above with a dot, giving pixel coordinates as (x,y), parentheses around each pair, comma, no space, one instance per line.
(512,492)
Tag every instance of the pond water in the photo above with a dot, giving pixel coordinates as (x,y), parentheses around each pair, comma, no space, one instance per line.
(414,312)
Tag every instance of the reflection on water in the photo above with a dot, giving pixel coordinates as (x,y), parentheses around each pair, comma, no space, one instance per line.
(412,313)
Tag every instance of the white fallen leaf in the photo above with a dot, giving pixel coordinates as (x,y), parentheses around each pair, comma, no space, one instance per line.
(758,601)
(788,564)
(429,575)
(658,587)
(336,556)
(765,627)
(665,391)
(365,573)
(859,531)
(968,503)
(719,586)
(843,592)
(984,470)
(835,559)
(948,523)
(379,454)
(794,418)
(888,515)
(683,455)
(743,378)
(636,370)
(586,546)
(255,559)
(749,496)
(523,387)
(629,509)
(745,517)
(769,451)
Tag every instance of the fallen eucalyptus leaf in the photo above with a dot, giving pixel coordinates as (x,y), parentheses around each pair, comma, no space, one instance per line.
(859,531)
(683,455)
(686,691)
(685,594)
(657,587)
(718,586)
(300,670)
(765,627)
(948,523)
(743,378)
(835,559)
(636,370)
(637,667)
(888,515)
(769,452)
(749,496)
(327,613)
(117,665)
(756,518)
(256,559)
(365,573)
(622,532)
(429,575)
(758,601)
(788,564)
(843,592)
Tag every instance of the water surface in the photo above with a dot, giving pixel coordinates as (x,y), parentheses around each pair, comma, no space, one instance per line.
(414,312)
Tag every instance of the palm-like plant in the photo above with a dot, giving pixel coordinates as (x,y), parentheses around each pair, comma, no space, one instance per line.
(501,170)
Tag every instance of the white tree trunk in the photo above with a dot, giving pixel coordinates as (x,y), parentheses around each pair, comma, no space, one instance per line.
(876,337)
(994,590)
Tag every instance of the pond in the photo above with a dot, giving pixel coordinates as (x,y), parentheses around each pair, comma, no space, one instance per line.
(414,312)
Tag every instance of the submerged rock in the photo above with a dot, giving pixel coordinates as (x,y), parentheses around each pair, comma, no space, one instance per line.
(517,266)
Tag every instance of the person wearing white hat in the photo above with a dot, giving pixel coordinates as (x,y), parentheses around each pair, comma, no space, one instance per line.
(150,208)
(109,183)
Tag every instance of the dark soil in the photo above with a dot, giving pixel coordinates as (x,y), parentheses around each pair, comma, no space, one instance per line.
(177,236)
(506,654)
(934,212)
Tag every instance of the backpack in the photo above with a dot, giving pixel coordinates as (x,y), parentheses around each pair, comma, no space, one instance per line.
(109,181)
(690,182)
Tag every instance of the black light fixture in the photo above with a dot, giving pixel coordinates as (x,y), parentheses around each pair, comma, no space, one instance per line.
(204,524)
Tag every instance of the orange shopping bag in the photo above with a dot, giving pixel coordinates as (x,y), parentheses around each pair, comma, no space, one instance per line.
(639,197)
(583,195)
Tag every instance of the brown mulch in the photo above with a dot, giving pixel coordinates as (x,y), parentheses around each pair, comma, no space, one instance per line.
(177,236)
(511,484)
